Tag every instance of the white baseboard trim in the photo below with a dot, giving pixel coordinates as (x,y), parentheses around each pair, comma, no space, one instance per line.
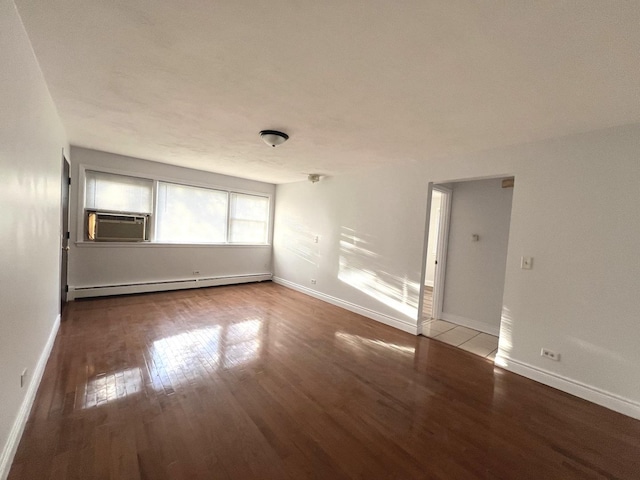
(471,323)
(587,392)
(352,307)
(163,286)
(6,458)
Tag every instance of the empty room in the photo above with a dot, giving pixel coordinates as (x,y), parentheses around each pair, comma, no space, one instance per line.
(323,240)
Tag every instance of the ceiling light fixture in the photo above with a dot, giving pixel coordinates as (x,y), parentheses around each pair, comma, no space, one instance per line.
(273,137)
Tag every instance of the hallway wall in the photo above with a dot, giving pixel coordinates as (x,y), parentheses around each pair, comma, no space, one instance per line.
(475,271)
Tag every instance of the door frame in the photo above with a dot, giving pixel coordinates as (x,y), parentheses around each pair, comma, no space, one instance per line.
(65,183)
(441,250)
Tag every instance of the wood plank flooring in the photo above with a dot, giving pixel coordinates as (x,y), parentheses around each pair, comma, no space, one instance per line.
(261,382)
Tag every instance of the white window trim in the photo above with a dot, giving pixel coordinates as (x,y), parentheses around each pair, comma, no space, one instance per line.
(229,218)
(80,238)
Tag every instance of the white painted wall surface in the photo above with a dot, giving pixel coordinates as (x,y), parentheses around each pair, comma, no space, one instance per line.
(370,234)
(474,280)
(99,264)
(434,226)
(575,210)
(31,142)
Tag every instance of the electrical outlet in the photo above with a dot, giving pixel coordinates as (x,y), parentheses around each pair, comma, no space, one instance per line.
(550,354)
(316,239)
(196,272)
(313,281)
(23,378)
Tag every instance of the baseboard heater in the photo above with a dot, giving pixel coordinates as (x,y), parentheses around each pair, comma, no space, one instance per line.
(162,286)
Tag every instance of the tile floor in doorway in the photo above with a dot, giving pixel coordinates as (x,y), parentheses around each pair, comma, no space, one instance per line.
(468,339)
(465,338)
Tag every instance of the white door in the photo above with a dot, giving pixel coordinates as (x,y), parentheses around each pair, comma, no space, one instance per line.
(432,245)
(441,253)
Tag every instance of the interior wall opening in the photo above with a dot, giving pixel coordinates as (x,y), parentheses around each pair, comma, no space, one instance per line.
(465,262)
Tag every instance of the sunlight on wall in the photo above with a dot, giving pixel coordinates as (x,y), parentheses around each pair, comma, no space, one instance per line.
(350,243)
(299,240)
(505,340)
(107,388)
(360,343)
(360,268)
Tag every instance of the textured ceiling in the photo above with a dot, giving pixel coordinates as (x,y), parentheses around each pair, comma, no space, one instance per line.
(355,84)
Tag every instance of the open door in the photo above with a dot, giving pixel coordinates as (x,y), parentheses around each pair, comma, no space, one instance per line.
(435,253)
(442,240)
(64,231)
(432,252)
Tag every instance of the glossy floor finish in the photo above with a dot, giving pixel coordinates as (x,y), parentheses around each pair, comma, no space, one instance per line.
(261,382)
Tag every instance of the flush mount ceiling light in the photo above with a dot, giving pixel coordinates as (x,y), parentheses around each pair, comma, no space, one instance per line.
(273,137)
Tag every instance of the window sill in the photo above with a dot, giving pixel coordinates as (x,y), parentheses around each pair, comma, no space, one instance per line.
(88,244)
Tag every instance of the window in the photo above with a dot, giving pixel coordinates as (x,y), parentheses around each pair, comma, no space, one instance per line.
(116,205)
(112,203)
(249,218)
(191,214)
(118,193)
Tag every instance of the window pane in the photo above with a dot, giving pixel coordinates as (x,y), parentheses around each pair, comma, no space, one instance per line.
(249,218)
(105,191)
(191,214)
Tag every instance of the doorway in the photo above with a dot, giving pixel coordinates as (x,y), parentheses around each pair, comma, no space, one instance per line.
(468,258)
(65,183)
(436,252)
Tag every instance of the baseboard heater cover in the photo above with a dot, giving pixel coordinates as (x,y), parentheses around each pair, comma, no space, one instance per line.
(163,285)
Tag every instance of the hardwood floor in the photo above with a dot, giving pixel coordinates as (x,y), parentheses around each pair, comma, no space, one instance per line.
(261,382)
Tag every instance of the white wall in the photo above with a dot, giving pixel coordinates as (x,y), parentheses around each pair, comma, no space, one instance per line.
(369,253)
(474,279)
(575,210)
(434,227)
(31,142)
(100,264)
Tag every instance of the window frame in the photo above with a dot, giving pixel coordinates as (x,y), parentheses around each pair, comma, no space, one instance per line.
(152,226)
(156,209)
(229,219)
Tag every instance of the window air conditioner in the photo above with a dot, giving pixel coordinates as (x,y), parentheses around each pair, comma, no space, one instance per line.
(108,227)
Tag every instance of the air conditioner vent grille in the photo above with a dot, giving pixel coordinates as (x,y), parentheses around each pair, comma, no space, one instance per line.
(110,227)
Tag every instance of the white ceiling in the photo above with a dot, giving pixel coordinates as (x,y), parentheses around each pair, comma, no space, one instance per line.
(355,84)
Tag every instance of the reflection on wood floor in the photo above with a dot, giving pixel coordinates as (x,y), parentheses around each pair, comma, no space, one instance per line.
(262,382)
